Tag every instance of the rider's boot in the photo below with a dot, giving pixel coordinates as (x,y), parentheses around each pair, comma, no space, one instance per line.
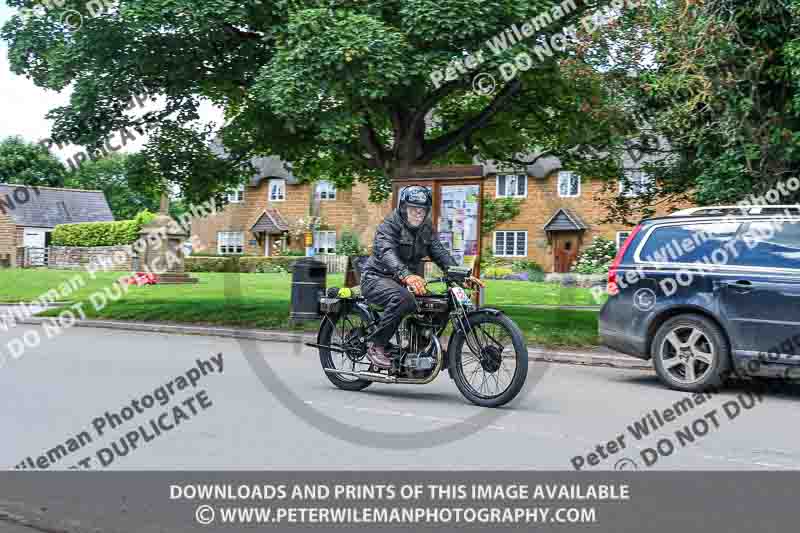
(377,355)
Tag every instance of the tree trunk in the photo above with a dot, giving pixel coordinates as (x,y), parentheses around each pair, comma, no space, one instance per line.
(409,138)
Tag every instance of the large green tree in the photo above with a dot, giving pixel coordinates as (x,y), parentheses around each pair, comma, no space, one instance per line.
(341,88)
(29,164)
(720,81)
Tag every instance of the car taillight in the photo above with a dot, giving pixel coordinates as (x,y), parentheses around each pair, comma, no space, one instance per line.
(613,287)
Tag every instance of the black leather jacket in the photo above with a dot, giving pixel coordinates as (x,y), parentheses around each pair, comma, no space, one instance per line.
(398,251)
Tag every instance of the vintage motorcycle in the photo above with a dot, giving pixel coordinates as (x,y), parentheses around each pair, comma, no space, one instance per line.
(486,354)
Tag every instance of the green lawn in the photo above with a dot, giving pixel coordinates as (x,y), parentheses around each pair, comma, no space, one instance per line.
(18,285)
(501,292)
(262,301)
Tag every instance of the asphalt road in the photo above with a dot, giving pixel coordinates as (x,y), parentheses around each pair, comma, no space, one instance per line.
(57,390)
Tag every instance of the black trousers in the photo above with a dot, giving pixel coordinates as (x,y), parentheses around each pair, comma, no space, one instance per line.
(397,302)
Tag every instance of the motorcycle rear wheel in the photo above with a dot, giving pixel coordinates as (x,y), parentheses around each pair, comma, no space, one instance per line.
(339,330)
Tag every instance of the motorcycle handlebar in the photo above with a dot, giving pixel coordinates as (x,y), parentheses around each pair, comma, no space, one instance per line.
(444,279)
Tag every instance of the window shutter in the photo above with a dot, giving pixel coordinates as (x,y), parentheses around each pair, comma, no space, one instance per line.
(501,185)
(522,182)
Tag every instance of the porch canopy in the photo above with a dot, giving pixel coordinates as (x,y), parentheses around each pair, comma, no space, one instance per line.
(270,222)
(565,220)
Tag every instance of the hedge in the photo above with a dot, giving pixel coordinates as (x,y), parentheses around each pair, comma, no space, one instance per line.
(243,264)
(90,234)
(208,264)
(266,264)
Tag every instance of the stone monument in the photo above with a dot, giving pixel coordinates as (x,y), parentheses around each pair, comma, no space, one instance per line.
(163,247)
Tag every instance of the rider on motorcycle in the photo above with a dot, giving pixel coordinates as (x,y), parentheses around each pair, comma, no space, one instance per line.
(402,240)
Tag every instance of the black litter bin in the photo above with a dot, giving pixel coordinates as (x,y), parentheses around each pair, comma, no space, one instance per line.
(308,286)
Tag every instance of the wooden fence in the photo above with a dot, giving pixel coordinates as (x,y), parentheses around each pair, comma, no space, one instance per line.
(30,256)
(337,264)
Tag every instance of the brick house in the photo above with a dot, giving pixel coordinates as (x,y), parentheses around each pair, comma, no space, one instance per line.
(28,215)
(259,215)
(560,213)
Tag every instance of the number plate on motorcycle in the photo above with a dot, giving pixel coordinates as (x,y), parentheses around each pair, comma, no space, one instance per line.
(461,295)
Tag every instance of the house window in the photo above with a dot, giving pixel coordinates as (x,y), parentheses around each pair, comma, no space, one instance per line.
(324,242)
(326,190)
(236,196)
(622,236)
(569,185)
(635,183)
(230,242)
(511,243)
(277,190)
(512,185)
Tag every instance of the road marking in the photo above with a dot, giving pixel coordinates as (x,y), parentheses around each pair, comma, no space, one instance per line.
(578,438)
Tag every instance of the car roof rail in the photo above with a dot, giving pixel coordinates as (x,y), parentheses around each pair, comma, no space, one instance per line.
(742,210)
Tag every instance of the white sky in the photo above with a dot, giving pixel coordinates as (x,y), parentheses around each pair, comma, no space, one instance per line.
(23,106)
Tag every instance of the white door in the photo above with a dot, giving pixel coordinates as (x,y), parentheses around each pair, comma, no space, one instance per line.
(35,239)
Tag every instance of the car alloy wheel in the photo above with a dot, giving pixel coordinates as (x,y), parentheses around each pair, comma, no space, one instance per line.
(687,354)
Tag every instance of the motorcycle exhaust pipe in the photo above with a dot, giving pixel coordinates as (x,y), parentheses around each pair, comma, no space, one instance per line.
(331,348)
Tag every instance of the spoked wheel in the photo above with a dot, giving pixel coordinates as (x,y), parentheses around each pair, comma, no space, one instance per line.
(343,331)
(691,353)
(489,367)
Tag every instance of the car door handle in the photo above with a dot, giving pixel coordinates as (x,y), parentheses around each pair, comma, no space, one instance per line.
(741,286)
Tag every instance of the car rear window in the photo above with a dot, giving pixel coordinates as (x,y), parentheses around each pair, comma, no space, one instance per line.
(688,243)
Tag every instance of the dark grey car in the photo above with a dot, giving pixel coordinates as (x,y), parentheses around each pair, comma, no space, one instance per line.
(708,292)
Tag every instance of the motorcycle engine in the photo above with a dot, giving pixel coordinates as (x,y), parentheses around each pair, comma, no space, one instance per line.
(415,338)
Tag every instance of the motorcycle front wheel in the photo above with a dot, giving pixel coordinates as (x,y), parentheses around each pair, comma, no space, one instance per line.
(489,368)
